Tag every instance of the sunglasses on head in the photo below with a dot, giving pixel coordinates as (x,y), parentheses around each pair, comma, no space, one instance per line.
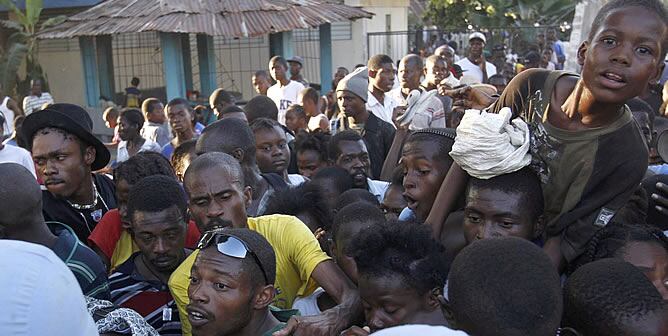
(230,246)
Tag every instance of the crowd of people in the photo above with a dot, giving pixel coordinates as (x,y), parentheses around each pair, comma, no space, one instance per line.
(425,195)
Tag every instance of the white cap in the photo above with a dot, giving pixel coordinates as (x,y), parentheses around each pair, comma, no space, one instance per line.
(41,295)
(419,329)
(478,35)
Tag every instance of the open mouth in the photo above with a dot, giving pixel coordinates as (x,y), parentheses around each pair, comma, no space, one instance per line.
(197,317)
(411,203)
(613,80)
(48,183)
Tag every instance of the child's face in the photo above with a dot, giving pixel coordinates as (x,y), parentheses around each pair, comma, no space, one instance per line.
(308,162)
(652,259)
(309,106)
(293,121)
(424,172)
(493,213)
(388,302)
(623,55)
(273,154)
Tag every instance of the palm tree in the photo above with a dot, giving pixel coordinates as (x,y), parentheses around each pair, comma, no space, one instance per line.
(22,45)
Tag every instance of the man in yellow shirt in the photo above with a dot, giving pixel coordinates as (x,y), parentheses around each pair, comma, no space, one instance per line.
(218,197)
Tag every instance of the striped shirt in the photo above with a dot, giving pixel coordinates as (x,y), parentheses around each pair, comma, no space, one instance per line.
(33,103)
(88,269)
(150,299)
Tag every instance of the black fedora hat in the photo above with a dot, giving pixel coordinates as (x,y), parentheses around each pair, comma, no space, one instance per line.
(71,118)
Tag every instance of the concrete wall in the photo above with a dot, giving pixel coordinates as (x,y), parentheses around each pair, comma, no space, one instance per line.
(61,60)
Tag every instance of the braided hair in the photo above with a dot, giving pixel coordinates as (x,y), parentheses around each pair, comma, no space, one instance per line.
(610,241)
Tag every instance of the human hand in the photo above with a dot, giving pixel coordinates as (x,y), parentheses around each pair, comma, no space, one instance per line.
(318,325)
(660,198)
(469,97)
(396,113)
(356,331)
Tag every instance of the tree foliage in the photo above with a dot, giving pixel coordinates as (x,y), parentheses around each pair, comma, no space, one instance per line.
(21,46)
(498,13)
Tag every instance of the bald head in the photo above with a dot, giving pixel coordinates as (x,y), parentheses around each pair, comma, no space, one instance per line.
(412,60)
(232,136)
(20,196)
(217,160)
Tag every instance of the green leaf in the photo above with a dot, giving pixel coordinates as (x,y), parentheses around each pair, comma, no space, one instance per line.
(21,18)
(33,10)
(52,22)
(12,25)
(10,64)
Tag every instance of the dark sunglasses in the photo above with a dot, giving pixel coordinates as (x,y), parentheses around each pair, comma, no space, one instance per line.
(230,246)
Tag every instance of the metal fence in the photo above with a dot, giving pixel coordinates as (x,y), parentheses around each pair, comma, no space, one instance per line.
(396,44)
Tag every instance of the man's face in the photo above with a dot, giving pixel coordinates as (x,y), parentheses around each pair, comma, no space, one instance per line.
(272,154)
(388,302)
(382,78)
(295,68)
(157,115)
(424,172)
(350,104)
(617,67)
(445,54)
(436,71)
(261,84)
(180,118)
(409,75)
(652,259)
(393,202)
(492,213)
(475,48)
(216,199)
(277,71)
(161,237)
(354,158)
(221,295)
(309,162)
(60,163)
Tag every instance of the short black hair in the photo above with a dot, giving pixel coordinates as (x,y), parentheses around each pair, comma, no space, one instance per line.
(404,249)
(156,193)
(315,141)
(279,59)
(306,198)
(134,116)
(355,195)
(227,135)
(298,109)
(356,214)
(610,241)
(499,77)
(443,138)
(180,152)
(505,286)
(340,177)
(262,73)
(524,182)
(601,297)
(377,61)
(148,103)
(263,124)
(134,81)
(180,101)
(231,109)
(347,135)
(653,6)
(262,249)
(221,96)
(142,165)
(261,107)
(218,160)
(310,94)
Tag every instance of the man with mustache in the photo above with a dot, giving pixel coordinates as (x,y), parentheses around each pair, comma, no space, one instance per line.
(65,153)
(157,210)
(218,197)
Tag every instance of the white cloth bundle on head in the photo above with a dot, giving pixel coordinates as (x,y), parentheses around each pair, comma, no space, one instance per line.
(416,100)
(489,144)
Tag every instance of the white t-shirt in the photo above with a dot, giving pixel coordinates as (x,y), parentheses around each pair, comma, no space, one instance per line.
(308,305)
(284,96)
(296,179)
(419,329)
(314,122)
(8,127)
(148,146)
(432,115)
(474,71)
(18,155)
(384,110)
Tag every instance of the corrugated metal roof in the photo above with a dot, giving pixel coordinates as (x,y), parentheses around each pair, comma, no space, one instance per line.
(230,18)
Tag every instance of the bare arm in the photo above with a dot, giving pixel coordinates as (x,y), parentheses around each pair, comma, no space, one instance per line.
(452,187)
(14,107)
(393,155)
(332,321)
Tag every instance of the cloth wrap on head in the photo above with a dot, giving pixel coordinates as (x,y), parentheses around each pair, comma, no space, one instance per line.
(489,144)
(356,82)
